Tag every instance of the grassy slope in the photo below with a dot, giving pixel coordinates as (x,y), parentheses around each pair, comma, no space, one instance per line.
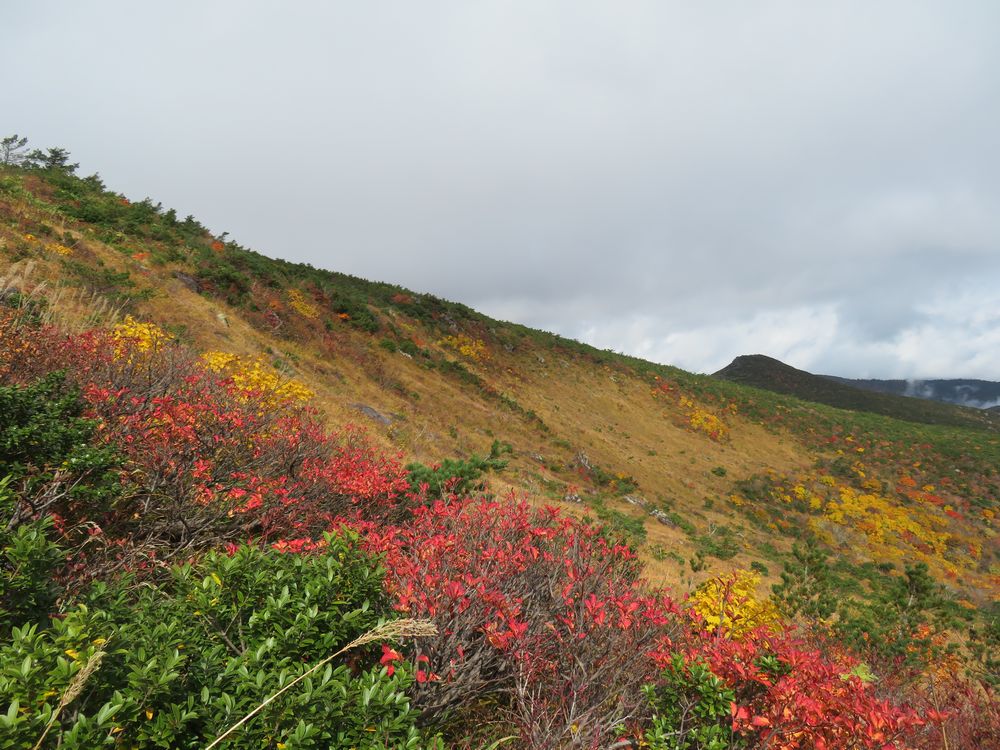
(561,404)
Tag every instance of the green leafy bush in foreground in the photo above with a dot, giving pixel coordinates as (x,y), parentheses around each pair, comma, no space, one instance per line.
(173,665)
(28,591)
(691,710)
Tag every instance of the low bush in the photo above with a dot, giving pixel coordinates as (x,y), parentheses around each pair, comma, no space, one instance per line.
(28,563)
(176,664)
(49,453)
(456,477)
(535,613)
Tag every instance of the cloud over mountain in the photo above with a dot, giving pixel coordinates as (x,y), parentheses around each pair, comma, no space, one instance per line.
(674,180)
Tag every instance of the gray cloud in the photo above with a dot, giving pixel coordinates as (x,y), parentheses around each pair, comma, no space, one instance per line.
(688,182)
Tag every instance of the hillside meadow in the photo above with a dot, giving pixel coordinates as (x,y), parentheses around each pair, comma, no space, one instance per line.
(220,470)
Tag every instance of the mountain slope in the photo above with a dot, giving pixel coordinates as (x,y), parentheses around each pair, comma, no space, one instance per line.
(702,474)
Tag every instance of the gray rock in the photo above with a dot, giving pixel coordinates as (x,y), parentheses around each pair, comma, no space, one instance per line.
(662,517)
(373,414)
(188,281)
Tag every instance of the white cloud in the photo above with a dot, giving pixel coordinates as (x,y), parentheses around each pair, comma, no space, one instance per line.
(682,181)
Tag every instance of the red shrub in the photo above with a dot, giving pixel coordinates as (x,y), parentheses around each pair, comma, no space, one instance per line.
(532,608)
(207,462)
(792,696)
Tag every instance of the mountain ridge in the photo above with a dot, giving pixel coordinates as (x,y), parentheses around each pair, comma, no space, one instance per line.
(762,371)
(971,392)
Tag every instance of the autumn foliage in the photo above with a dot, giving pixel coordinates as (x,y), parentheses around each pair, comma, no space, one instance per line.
(544,625)
(214,454)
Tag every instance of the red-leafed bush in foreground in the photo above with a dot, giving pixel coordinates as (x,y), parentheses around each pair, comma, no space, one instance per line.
(533,610)
(540,615)
(788,695)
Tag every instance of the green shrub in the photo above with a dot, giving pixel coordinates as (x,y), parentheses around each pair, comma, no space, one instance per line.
(760,568)
(806,585)
(174,665)
(46,446)
(888,627)
(692,710)
(28,559)
(406,345)
(680,522)
(620,527)
(459,476)
(721,544)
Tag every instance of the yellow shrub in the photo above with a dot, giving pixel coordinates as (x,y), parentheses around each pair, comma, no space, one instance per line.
(132,336)
(474,349)
(730,605)
(255,380)
(58,249)
(704,421)
(878,517)
(297,302)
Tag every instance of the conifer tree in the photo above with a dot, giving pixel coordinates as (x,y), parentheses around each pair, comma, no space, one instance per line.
(805,584)
(10,148)
(55,159)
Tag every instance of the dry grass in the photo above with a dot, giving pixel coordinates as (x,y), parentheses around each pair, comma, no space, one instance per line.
(69,308)
(73,690)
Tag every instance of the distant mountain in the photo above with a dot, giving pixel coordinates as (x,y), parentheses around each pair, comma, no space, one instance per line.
(978,394)
(773,375)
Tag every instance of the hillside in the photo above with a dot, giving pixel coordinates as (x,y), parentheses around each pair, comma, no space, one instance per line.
(432,378)
(701,475)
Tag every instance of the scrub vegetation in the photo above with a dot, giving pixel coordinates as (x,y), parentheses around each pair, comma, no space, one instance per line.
(525,542)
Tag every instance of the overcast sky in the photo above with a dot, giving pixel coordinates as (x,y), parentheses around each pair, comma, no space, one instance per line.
(684,181)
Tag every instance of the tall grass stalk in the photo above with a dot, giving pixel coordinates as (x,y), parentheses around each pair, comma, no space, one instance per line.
(406,628)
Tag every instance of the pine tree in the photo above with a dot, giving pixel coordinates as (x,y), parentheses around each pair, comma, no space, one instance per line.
(56,159)
(805,584)
(10,148)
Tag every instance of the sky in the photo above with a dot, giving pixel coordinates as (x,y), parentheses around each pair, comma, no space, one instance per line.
(682,181)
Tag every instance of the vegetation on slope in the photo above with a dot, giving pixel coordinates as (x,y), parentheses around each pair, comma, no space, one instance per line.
(125,628)
(185,428)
